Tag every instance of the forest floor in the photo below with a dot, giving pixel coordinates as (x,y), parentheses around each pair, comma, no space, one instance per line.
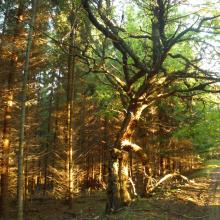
(198,200)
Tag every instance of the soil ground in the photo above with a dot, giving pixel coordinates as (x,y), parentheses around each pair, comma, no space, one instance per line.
(214,199)
(198,200)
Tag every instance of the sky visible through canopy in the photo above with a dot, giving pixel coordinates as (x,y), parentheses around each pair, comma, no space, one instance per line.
(193,8)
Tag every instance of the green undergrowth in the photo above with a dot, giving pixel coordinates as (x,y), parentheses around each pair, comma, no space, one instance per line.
(141,209)
(205,170)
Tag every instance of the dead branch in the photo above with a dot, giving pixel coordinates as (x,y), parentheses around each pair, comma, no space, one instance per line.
(133,186)
(167,177)
(129,146)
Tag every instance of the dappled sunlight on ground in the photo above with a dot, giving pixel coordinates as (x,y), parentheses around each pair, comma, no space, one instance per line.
(214,193)
(198,199)
(213,166)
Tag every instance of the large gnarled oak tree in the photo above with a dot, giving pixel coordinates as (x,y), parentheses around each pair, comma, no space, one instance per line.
(146,76)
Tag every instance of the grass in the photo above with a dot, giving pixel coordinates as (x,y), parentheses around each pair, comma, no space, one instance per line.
(171,204)
(139,210)
(206,169)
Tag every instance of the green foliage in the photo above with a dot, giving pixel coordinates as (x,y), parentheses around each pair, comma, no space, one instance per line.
(103,95)
(185,49)
(204,131)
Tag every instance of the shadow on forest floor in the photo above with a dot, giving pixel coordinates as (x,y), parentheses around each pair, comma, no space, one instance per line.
(200,200)
(161,206)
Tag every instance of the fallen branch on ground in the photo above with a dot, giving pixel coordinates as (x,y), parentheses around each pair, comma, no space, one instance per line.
(167,177)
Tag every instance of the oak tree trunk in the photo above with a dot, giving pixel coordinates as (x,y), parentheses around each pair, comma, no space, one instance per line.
(118,192)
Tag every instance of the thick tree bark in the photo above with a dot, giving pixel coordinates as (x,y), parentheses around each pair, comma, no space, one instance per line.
(20,187)
(118,193)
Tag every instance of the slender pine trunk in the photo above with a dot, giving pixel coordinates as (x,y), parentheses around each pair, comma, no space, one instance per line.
(47,158)
(20,187)
(70,112)
(6,133)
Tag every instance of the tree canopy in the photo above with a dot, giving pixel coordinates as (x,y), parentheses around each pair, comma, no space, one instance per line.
(111,94)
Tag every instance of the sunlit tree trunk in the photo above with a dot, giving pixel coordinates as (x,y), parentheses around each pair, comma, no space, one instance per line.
(47,158)
(70,109)
(9,96)
(20,187)
(4,24)
(55,137)
(118,193)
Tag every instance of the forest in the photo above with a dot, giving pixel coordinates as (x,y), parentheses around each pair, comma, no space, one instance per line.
(109,109)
